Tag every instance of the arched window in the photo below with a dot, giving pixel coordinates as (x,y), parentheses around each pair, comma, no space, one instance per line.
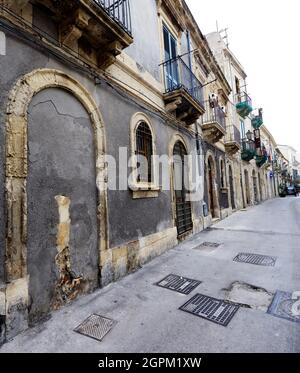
(144,153)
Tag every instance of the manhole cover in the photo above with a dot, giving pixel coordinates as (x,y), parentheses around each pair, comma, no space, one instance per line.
(95,327)
(209,244)
(285,307)
(182,285)
(260,260)
(215,310)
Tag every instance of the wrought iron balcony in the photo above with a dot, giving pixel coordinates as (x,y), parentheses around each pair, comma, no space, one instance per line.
(248,150)
(213,122)
(244,105)
(262,157)
(233,140)
(257,120)
(119,11)
(95,31)
(183,91)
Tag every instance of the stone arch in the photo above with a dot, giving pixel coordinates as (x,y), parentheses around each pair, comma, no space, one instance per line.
(213,198)
(17,165)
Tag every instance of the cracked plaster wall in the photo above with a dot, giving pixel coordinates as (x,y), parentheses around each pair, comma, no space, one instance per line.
(61,163)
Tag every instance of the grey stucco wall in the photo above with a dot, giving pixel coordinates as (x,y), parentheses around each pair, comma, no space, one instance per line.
(128,218)
(146,47)
(61,162)
(19,60)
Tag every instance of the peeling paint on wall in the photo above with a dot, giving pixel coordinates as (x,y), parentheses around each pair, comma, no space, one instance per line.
(69,285)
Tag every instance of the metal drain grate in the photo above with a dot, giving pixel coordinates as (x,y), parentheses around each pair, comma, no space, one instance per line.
(283,306)
(95,327)
(209,244)
(260,260)
(215,310)
(182,285)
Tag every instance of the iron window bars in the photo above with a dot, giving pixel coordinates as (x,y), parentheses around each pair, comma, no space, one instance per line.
(144,152)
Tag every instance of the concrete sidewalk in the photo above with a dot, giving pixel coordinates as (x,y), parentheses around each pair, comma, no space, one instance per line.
(148,318)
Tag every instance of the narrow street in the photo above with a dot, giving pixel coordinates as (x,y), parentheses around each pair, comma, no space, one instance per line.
(148,318)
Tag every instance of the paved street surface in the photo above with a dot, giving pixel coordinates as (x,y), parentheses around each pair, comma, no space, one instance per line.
(148,318)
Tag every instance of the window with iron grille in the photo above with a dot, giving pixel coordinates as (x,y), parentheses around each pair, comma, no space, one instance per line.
(144,152)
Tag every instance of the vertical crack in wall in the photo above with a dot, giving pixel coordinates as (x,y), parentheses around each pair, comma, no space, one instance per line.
(69,285)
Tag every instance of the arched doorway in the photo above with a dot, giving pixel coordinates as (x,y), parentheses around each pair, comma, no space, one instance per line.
(247,188)
(184,221)
(243,191)
(255,187)
(54,251)
(213,201)
(231,185)
(260,187)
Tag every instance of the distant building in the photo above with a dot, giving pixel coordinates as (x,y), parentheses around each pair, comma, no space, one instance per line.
(249,145)
(293,161)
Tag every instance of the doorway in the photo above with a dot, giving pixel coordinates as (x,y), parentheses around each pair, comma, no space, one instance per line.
(260,187)
(232,195)
(184,221)
(212,193)
(255,187)
(247,187)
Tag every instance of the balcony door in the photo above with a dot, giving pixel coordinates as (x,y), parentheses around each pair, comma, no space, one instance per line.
(171,66)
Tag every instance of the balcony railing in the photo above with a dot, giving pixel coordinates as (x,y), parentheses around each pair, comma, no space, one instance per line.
(262,156)
(257,120)
(236,134)
(244,104)
(119,11)
(214,114)
(232,139)
(177,75)
(248,150)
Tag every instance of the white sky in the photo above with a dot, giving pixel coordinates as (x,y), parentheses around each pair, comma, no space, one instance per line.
(265,37)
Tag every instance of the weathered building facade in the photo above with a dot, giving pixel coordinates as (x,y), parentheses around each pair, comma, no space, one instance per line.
(86,95)
(250,148)
(81,80)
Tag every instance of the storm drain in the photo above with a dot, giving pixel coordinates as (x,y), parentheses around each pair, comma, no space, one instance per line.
(285,307)
(211,309)
(96,327)
(260,260)
(182,285)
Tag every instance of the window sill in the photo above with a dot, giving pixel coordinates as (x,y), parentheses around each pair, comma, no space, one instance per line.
(145,190)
